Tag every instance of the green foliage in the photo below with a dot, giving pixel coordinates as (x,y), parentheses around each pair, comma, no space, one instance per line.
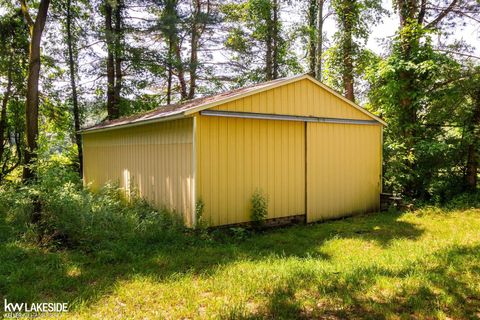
(239,233)
(354,24)
(259,207)
(200,223)
(13,70)
(251,33)
(419,92)
(464,201)
(199,208)
(74,217)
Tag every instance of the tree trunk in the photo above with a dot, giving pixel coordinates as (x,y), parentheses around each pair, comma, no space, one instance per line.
(319,41)
(347,52)
(73,84)
(269,49)
(195,35)
(112,108)
(472,168)
(312,30)
(118,54)
(268,58)
(180,68)
(472,155)
(276,40)
(32,100)
(169,66)
(407,10)
(169,85)
(3,117)
(193,65)
(408,111)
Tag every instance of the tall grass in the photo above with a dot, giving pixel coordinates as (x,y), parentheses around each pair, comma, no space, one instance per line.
(74,217)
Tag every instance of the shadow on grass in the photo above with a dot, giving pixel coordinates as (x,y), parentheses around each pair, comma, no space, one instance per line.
(381,228)
(31,274)
(443,290)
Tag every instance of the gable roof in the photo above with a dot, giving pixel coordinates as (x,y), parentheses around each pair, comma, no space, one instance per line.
(187,108)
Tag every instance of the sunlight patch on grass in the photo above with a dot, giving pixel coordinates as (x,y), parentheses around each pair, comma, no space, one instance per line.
(423,264)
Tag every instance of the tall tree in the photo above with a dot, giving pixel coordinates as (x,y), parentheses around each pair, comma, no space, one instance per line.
(112,105)
(13,67)
(183,28)
(319,39)
(114,33)
(316,17)
(354,21)
(36,28)
(268,11)
(417,90)
(257,38)
(168,23)
(413,53)
(3,115)
(118,51)
(311,33)
(473,132)
(275,39)
(72,54)
(348,14)
(200,20)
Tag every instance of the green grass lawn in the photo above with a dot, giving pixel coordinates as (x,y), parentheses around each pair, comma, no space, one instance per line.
(422,264)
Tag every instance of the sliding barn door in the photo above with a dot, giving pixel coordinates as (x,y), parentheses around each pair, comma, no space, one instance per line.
(343,169)
(239,156)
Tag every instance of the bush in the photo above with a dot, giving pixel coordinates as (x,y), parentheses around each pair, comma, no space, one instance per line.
(259,210)
(74,217)
(465,201)
(200,222)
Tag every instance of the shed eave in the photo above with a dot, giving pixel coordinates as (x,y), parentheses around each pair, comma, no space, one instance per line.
(134,124)
(285,117)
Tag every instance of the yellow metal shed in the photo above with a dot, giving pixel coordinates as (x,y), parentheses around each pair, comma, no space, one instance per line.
(310,150)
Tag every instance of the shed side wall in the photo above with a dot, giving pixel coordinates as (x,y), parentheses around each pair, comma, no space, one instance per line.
(156,159)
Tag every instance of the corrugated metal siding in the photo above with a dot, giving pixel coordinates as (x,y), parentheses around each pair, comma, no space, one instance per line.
(302,98)
(344,169)
(155,158)
(237,156)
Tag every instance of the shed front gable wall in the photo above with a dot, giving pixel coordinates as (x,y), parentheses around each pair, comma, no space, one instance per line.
(323,170)
(156,159)
(299,98)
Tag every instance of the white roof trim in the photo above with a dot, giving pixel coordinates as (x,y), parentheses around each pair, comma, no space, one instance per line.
(132,124)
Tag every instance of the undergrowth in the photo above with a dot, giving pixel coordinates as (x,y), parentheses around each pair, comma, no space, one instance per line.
(74,217)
